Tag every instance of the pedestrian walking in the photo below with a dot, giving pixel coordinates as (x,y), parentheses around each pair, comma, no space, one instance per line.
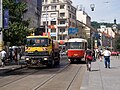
(11,55)
(93,55)
(107,55)
(96,53)
(88,58)
(15,56)
(3,57)
(100,55)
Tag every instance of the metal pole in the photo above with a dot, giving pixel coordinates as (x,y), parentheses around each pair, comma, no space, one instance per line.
(111,43)
(46,22)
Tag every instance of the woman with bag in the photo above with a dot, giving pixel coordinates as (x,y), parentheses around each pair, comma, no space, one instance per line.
(88,58)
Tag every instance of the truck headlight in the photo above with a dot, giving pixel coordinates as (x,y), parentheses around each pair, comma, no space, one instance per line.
(26,58)
(45,58)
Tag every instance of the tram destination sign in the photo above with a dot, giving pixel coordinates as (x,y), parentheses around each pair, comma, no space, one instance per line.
(1,14)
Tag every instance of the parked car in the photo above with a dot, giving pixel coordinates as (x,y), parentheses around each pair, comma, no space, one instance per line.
(114,53)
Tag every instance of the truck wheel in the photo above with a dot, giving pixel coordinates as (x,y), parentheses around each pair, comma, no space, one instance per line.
(51,63)
(57,62)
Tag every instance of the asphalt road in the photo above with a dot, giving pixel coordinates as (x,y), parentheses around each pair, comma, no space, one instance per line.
(64,77)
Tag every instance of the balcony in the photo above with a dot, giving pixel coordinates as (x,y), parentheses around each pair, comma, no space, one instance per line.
(54,1)
(62,25)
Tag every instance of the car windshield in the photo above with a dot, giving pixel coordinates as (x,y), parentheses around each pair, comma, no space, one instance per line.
(37,42)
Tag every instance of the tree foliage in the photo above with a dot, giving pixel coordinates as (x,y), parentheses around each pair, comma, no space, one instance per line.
(17,26)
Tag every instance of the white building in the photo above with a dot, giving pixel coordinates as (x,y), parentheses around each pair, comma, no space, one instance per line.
(58,16)
(83,17)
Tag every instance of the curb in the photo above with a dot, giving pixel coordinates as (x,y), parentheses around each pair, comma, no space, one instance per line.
(12,69)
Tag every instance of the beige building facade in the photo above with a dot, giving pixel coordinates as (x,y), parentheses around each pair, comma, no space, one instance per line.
(85,19)
(58,16)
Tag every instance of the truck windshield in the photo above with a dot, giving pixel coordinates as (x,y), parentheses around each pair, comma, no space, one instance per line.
(36,42)
(75,45)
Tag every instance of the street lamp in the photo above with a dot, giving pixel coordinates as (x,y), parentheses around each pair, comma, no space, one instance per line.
(92,6)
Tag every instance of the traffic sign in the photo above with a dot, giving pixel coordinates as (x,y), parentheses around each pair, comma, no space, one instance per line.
(72,31)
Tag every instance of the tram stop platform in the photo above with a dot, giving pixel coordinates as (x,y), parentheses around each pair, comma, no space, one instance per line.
(101,78)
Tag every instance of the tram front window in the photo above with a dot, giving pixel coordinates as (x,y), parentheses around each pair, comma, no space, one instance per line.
(75,45)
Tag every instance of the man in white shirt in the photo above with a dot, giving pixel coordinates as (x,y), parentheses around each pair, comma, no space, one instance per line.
(107,55)
(3,56)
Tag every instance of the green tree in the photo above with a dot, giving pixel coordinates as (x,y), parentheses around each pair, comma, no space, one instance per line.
(17,26)
(95,24)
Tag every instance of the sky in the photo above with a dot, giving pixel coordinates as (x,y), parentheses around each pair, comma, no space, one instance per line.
(105,10)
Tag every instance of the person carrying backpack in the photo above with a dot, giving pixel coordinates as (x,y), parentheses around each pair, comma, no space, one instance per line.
(88,58)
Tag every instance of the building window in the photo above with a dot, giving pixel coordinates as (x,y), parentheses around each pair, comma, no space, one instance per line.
(62,37)
(62,22)
(54,38)
(44,15)
(53,7)
(62,30)
(62,6)
(62,14)
(53,30)
(70,15)
(68,7)
(53,22)
(46,1)
(46,7)
(44,23)
(53,15)
(54,1)
(73,17)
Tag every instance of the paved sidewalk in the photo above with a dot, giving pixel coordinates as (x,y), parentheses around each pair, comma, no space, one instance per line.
(101,78)
(12,67)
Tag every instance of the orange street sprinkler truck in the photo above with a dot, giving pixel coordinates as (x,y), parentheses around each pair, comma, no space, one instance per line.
(41,50)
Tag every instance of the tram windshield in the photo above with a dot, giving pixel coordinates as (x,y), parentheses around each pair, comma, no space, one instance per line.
(76,45)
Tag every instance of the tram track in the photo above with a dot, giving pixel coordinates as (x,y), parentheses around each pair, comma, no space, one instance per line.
(74,77)
(15,80)
(33,73)
(37,87)
(65,75)
(45,83)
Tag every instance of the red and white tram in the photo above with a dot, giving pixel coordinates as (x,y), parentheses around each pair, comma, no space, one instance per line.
(76,48)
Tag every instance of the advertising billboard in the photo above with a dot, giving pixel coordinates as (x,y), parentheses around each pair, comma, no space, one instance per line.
(1,14)
(6,18)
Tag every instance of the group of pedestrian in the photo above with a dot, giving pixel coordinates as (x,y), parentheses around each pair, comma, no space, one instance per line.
(11,57)
(91,55)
